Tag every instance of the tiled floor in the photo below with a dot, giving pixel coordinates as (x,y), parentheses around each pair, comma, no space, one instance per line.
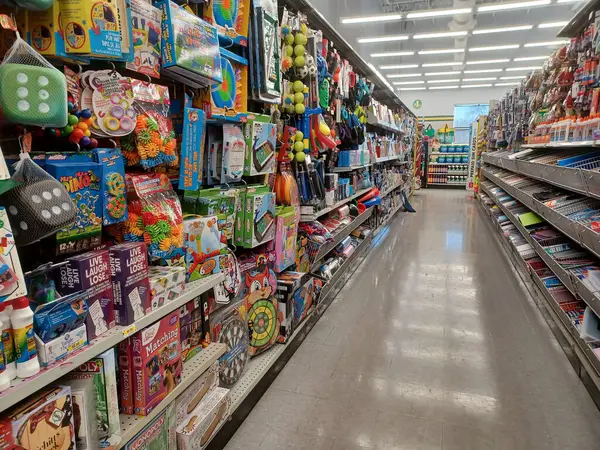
(431,346)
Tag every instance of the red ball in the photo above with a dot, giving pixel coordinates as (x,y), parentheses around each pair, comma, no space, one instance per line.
(78,133)
(74,139)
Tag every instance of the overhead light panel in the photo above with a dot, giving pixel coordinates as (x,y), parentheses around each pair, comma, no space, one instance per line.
(443,87)
(475,85)
(494,48)
(412,89)
(502,29)
(375,18)
(531,58)
(401,83)
(404,75)
(487,61)
(514,83)
(438,13)
(381,77)
(516,69)
(514,77)
(455,80)
(370,40)
(434,74)
(386,54)
(553,24)
(484,71)
(441,51)
(457,63)
(440,35)
(568,1)
(546,43)
(480,79)
(399,66)
(512,5)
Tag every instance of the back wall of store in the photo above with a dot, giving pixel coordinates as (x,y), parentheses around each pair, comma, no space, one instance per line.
(439,103)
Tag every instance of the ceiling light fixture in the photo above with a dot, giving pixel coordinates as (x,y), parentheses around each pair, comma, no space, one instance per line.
(404,75)
(438,13)
(484,71)
(440,35)
(512,5)
(531,58)
(546,43)
(433,74)
(487,61)
(475,85)
(514,83)
(553,24)
(443,87)
(516,69)
(480,79)
(455,80)
(400,83)
(381,77)
(386,54)
(494,48)
(502,29)
(413,89)
(514,77)
(399,66)
(441,51)
(457,63)
(399,37)
(568,1)
(375,18)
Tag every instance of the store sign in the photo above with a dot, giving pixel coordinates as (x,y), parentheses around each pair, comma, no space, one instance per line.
(417,103)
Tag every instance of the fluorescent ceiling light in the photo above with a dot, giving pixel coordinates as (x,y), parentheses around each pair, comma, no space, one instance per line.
(568,1)
(412,89)
(480,79)
(400,83)
(484,71)
(531,58)
(514,77)
(433,74)
(512,5)
(493,48)
(502,29)
(514,83)
(553,24)
(443,87)
(385,55)
(440,35)
(457,63)
(455,80)
(487,61)
(546,43)
(516,69)
(375,18)
(404,75)
(439,13)
(441,51)
(399,37)
(399,66)
(381,77)
(475,85)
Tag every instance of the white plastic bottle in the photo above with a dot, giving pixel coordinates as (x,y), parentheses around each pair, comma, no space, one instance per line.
(8,343)
(22,323)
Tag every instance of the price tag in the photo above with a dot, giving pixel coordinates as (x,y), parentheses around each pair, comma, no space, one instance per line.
(129,330)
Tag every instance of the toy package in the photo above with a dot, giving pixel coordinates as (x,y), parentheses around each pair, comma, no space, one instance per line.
(259,217)
(157,363)
(60,316)
(261,141)
(12,283)
(82,180)
(61,347)
(131,288)
(192,149)
(84,415)
(229,326)
(197,429)
(203,243)
(198,390)
(145,24)
(297,294)
(159,434)
(114,201)
(265,59)
(232,165)
(90,272)
(193,321)
(166,284)
(125,355)
(221,203)
(190,47)
(45,32)
(43,421)
(228,100)
(230,19)
(285,238)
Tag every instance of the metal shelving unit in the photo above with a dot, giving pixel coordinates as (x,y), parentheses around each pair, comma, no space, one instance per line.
(350,168)
(23,388)
(322,212)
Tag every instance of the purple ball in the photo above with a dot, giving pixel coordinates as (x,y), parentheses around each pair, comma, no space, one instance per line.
(85,141)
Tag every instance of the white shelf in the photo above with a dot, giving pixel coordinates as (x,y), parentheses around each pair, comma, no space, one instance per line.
(387,191)
(315,216)
(386,158)
(350,168)
(563,144)
(132,424)
(21,389)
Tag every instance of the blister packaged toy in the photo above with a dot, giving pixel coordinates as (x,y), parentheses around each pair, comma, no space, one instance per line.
(192,149)
(261,140)
(285,237)
(203,243)
(65,314)
(112,103)
(145,24)
(113,185)
(223,203)
(259,217)
(214,155)
(13,285)
(234,148)
(265,59)
(230,19)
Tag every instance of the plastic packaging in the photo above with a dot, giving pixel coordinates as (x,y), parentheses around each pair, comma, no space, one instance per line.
(22,321)
(8,343)
(4,379)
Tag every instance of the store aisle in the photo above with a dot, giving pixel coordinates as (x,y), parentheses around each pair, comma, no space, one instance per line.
(432,345)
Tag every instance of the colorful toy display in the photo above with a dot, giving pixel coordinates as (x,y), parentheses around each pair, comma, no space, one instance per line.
(285,237)
(232,165)
(260,136)
(192,149)
(230,18)
(166,284)
(203,243)
(265,60)
(146,23)
(113,185)
(259,217)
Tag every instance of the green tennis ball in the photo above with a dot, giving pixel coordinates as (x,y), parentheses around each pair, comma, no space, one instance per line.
(289,39)
(299,136)
(300,108)
(289,50)
(298,86)
(300,157)
(298,97)
(299,146)
(299,61)
(299,50)
(301,39)
(289,109)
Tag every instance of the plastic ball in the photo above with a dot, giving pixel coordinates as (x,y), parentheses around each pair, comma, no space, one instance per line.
(289,109)
(74,139)
(77,114)
(87,133)
(289,39)
(68,129)
(298,146)
(72,119)
(300,157)
(298,97)
(85,141)
(299,50)
(286,29)
(58,133)
(298,86)
(89,121)
(50,131)
(299,61)
(70,106)
(86,113)
(289,50)
(288,100)
(82,125)
(286,63)
(77,133)
(299,136)
(324,129)
(299,108)
(301,39)
(93,143)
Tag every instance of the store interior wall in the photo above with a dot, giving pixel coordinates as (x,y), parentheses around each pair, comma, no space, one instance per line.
(438,103)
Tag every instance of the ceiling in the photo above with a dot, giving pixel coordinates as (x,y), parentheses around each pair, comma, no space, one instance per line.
(469,45)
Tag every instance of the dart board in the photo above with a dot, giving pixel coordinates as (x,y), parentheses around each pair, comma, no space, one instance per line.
(234,335)
(262,318)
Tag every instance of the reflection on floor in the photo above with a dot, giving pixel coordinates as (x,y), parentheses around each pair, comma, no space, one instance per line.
(432,346)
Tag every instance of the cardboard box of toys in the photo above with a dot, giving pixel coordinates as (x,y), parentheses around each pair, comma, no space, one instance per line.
(166,284)
(43,421)
(194,327)
(198,390)
(59,348)
(12,283)
(223,203)
(285,237)
(84,417)
(261,142)
(259,217)
(196,430)
(296,293)
(160,433)
(125,357)
(145,27)
(230,19)
(203,243)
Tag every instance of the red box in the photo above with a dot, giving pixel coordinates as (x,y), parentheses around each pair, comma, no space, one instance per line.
(125,354)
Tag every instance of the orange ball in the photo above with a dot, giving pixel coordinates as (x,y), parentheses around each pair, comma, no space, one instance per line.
(82,125)
(88,122)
